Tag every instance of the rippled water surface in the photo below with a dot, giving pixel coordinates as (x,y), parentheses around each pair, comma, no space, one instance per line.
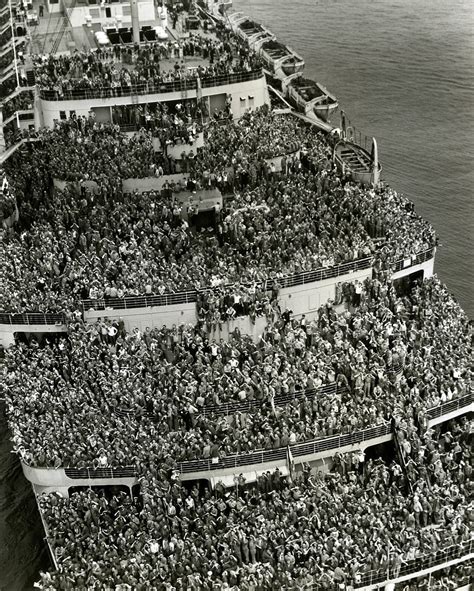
(403,71)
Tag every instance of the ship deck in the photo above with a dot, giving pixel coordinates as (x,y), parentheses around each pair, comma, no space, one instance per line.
(45,31)
(53,32)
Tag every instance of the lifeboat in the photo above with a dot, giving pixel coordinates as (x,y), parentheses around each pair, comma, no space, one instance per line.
(309,97)
(362,165)
(234,19)
(280,60)
(249,30)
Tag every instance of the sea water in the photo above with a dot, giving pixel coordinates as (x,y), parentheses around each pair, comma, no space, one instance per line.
(403,72)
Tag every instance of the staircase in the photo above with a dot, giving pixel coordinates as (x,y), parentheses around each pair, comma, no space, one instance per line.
(59,35)
(65,23)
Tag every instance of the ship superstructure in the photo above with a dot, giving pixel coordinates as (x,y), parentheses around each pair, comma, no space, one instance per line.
(171,105)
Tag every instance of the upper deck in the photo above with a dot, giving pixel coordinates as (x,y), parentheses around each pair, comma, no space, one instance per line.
(89,58)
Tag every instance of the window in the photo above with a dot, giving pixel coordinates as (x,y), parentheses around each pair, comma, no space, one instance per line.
(72,114)
(108,12)
(251,100)
(62,115)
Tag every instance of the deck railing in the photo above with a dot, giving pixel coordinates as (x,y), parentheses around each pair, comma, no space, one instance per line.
(233,407)
(419,258)
(319,445)
(183,297)
(90,473)
(233,461)
(144,301)
(32,318)
(338,441)
(230,408)
(425,562)
(236,78)
(451,406)
(323,273)
(297,450)
(185,84)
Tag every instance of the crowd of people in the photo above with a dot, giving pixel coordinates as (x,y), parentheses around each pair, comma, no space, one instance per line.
(121,66)
(222,304)
(74,402)
(22,102)
(7,199)
(99,396)
(174,123)
(71,243)
(307,531)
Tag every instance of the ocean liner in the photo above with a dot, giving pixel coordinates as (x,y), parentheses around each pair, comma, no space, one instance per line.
(227,362)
